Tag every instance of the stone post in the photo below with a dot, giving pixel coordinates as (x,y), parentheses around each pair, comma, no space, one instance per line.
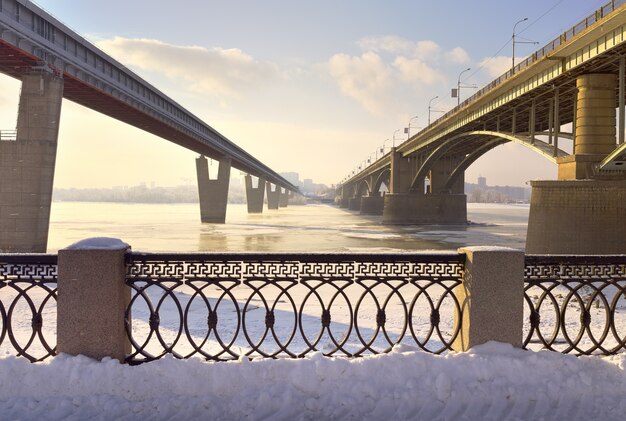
(92,299)
(491,297)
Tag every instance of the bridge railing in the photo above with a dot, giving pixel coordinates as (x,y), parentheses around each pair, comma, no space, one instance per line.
(542,52)
(224,306)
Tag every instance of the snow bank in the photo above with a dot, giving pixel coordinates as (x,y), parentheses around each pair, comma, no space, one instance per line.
(493,381)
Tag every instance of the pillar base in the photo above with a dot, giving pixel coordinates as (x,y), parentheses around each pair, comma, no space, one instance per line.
(372,205)
(426,209)
(585,167)
(354,204)
(344,202)
(577,217)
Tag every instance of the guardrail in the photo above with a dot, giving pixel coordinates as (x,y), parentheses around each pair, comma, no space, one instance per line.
(576,304)
(226,306)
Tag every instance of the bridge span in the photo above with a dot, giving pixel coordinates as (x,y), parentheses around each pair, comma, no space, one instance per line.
(578,81)
(54,62)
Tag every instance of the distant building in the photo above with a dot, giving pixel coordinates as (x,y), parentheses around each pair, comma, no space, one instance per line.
(482,182)
(292,177)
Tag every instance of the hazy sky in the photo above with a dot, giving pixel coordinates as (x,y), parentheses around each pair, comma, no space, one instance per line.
(313,87)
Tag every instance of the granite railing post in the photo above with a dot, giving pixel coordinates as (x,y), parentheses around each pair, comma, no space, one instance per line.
(491,297)
(92,299)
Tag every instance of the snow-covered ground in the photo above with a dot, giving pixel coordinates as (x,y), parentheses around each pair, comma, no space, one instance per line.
(492,382)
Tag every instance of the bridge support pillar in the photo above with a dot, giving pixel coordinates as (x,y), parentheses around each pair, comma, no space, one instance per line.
(354,203)
(27,166)
(424,209)
(273,197)
(372,204)
(577,217)
(283,200)
(255,195)
(213,194)
(595,126)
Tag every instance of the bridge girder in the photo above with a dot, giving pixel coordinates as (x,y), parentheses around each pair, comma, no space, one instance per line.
(483,137)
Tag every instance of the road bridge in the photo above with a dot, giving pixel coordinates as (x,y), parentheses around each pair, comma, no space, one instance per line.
(54,62)
(576,81)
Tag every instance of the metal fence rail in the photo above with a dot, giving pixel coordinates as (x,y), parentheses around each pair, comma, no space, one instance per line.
(223,306)
(576,304)
(28,297)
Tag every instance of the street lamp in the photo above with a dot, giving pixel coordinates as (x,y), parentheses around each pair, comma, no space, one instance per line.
(429,107)
(513,42)
(407,130)
(458,87)
(393,143)
(382,149)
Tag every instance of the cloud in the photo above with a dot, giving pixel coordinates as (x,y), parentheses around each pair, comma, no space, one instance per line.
(365,78)
(496,66)
(213,71)
(397,45)
(415,70)
(458,55)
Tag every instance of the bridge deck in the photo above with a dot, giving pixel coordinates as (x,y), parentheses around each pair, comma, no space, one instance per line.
(31,37)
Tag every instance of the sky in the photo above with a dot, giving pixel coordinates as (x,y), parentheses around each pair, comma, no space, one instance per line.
(310,87)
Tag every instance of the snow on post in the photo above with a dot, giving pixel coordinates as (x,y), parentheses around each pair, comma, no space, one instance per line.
(92,299)
(491,297)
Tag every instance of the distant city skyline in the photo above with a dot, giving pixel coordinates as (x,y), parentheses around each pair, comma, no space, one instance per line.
(313,87)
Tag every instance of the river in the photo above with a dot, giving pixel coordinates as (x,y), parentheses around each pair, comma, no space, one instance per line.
(310,228)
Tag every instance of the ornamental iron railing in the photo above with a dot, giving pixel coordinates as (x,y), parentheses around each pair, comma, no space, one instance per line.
(28,305)
(575,304)
(225,306)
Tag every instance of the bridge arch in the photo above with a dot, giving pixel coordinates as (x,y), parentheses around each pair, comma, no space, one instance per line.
(362,188)
(488,138)
(385,174)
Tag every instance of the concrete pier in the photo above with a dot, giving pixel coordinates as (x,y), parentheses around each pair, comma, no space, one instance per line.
(354,203)
(273,197)
(372,205)
(283,200)
(213,194)
(411,208)
(27,166)
(577,217)
(255,195)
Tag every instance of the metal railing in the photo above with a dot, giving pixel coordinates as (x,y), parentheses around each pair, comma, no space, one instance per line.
(8,135)
(28,298)
(575,304)
(224,306)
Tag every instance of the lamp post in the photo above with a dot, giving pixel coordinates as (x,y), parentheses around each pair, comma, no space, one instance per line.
(393,142)
(513,42)
(429,107)
(408,129)
(382,149)
(458,87)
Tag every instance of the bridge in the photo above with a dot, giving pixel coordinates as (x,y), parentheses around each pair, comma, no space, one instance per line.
(576,80)
(54,62)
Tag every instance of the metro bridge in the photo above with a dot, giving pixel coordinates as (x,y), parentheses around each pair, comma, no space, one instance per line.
(578,80)
(54,62)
